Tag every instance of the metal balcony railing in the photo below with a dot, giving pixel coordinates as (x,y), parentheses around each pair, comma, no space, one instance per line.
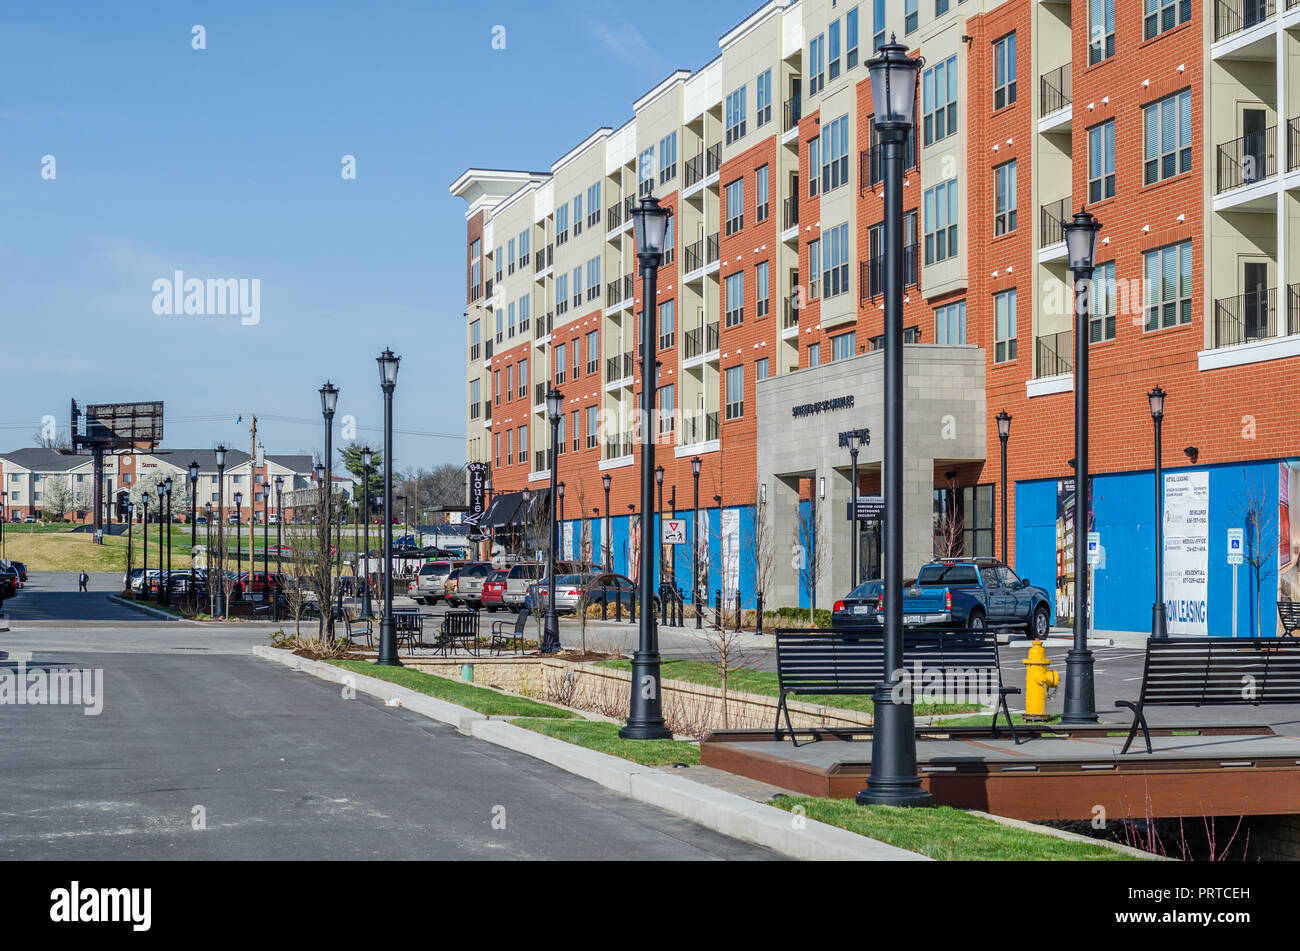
(487,292)
(539,394)
(1052,354)
(871,163)
(699,427)
(712,159)
(791,113)
(1248,159)
(871,273)
(1293,302)
(692,170)
(789,314)
(691,256)
(542,460)
(487,409)
(1233,16)
(711,249)
(487,349)
(711,337)
(1054,89)
(614,293)
(1293,140)
(615,217)
(790,213)
(1052,222)
(691,343)
(1245,317)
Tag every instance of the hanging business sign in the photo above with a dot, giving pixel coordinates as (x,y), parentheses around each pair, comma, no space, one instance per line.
(871,508)
(478,474)
(1187,551)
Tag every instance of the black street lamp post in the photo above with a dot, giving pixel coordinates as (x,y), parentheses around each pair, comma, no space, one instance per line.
(894,779)
(267,593)
(161,557)
(239,545)
(194,528)
(1159,628)
(855,445)
(645,717)
(659,529)
(388,365)
(279,547)
(130,518)
(144,534)
(329,401)
(696,463)
(367,456)
(1080,692)
(551,620)
(207,558)
(1004,433)
(219,605)
(609,548)
(167,586)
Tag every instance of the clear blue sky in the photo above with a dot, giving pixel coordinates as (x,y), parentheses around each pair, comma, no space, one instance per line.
(225,163)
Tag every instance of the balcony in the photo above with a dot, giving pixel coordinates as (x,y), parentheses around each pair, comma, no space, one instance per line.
(691,257)
(1293,139)
(789,314)
(697,428)
(487,411)
(614,217)
(543,326)
(487,349)
(488,291)
(1052,355)
(542,460)
(1051,223)
(691,171)
(871,274)
(1246,317)
(1246,160)
(790,213)
(1234,16)
(791,114)
(1293,303)
(1054,90)
(619,367)
(712,160)
(711,249)
(539,394)
(871,163)
(618,447)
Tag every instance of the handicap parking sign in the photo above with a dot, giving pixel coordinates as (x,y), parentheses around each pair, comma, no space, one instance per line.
(1236,546)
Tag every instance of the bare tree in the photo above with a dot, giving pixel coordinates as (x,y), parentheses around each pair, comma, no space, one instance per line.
(725,652)
(300,540)
(809,561)
(760,550)
(1260,525)
(949,526)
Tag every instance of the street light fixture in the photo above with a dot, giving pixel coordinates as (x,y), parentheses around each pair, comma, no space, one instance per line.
(267,593)
(894,778)
(161,557)
(855,445)
(279,548)
(367,457)
(219,605)
(645,717)
(1081,249)
(551,621)
(561,490)
(1159,628)
(609,556)
(659,531)
(167,585)
(696,463)
(239,546)
(388,366)
(194,515)
(329,401)
(1004,433)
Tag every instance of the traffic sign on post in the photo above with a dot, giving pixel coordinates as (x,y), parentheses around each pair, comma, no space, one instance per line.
(674,531)
(1236,546)
(1094,548)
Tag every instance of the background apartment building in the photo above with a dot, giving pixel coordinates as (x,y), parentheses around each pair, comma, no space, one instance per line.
(1162,116)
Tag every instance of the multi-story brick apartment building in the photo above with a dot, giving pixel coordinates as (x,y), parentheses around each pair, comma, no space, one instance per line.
(1162,116)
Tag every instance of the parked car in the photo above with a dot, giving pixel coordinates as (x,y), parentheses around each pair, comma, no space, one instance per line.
(494,589)
(590,588)
(860,609)
(129,581)
(975,593)
(429,583)
(469,584)
(258,585)
(21,569)
(523,575)
(30,520)
(8,582)
(449,584)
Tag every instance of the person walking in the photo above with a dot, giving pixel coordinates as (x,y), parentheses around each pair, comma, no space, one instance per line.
(82,580)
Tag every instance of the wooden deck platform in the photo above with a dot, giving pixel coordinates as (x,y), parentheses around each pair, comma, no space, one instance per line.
(1061,773)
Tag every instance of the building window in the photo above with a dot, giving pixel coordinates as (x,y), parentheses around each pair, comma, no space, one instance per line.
(577,358)
(667,324)
(1101,162)
(577,216)
(814,355)
(835,276)
(593,278)
(1004,206)
(645,174)
(939,101)
(1004,326)
(667,158)
(475,267)
(762,290)
(523,443)
(736,116)
(814,163)
(561,225)
(593,352)
(525,306)
(763,93)
(963,523)
(1101,30)
(735,392)
(735,206)
(577,287)
(561,353)
(940,7)
(1101,325)
(763,206)
(1168,291)
(577,431)
(592,434)
(835,155)
(817,65)
(1004,71)
(1168,137)
(523,378)
(510,383)
(950,324)
(510,446)
(814,268)
(667,408)
(844,345)
(851,51)
(593,205)
(1163,15)
(761,370)
(941,222)
(735,299)
(561,435)
(910,16)
(833,57)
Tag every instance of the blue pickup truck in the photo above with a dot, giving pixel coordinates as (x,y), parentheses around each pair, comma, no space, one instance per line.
(975,593)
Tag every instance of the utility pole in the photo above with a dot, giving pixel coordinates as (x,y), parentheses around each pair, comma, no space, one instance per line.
(252,503)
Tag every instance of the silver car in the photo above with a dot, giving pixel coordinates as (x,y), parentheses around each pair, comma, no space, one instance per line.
(429,583)
(469,584)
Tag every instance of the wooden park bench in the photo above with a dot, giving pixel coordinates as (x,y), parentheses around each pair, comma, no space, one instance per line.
(1288,613)
(1214,671)
(839,663)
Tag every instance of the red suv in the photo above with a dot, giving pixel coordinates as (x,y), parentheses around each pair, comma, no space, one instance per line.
(494,590)
(258,585)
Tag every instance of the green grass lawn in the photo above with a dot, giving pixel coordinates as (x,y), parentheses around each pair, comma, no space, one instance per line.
(604,738)
(765,683)
(948,834)
(483,700)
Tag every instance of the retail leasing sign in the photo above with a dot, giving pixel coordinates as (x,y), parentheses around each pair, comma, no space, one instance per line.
(1187,551)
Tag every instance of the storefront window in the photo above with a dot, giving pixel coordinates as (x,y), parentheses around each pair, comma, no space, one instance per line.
(963,521)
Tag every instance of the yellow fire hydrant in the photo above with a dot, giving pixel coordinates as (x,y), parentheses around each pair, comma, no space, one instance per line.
(1038,680)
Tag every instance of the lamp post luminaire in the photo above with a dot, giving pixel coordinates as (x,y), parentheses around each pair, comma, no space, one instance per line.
(194,514)
(696,464)
(388,366)
(1159,627)
(609,556)
(239,545)
(367,457)
(645,717)
(329,401)
(894,779)
(551,621)
(855,446)
(1004,433)
(219,605)
(1081,250)
(279,548)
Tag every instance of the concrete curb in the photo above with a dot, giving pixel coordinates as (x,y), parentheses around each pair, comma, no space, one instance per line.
(1072,836)
(714,809)
(152,612)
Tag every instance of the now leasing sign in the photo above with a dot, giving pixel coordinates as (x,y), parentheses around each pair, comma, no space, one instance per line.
(1187,551)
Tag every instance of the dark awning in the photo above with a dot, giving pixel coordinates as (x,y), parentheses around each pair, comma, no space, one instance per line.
(509,509)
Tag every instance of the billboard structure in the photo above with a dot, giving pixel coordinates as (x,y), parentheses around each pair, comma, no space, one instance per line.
(112,426)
